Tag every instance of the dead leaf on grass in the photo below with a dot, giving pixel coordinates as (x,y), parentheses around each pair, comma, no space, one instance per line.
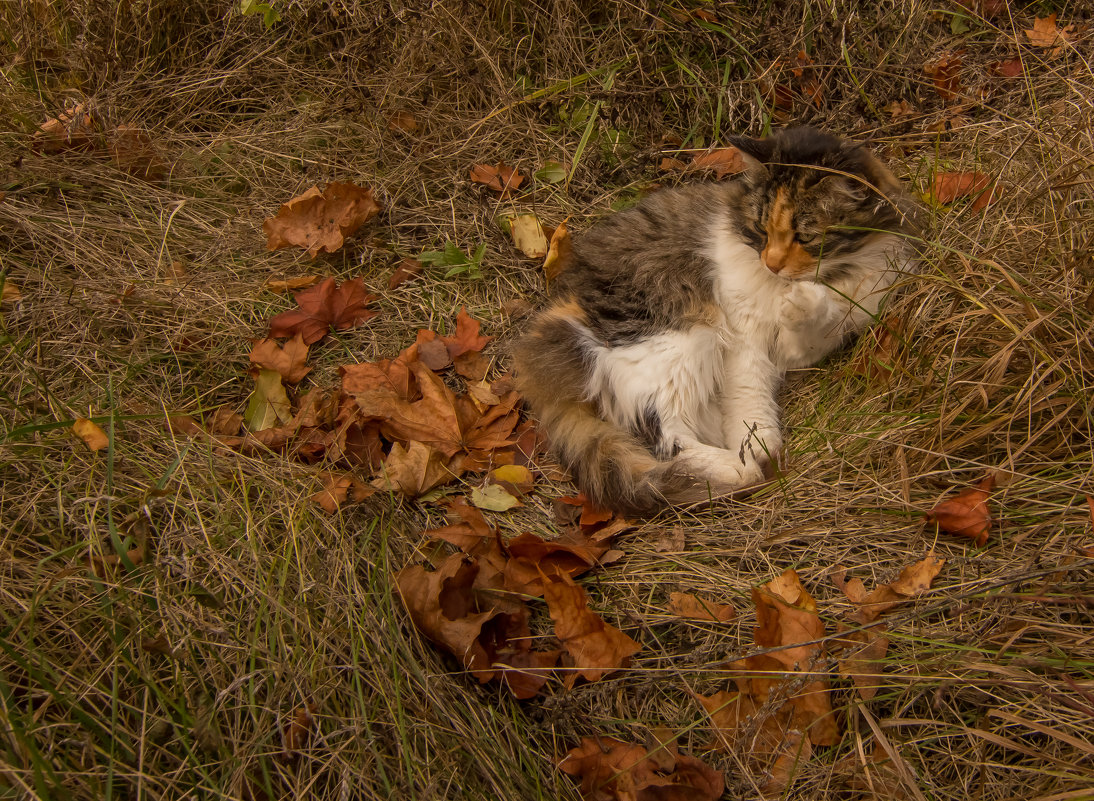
(413,470)
(283,285)
(1045,33)
(596,647)
(500,178)
(290,361)
(951,186)
(612,770)
(723,161)
(493,497)
(133,151)
(10,293)
(945,73)
(269,404)
(322,307)
(403,121)
(297,731)
(966,514)
(72,129)
(691,607)
(1008,68)
(408,268)
(339,489)
(528,236)
(93,436)
(321,221)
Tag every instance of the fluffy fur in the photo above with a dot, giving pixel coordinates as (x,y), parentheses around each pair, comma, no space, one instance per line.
(655,370)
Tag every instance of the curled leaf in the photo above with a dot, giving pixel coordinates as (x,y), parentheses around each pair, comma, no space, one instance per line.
(321,221)
(93,436)
(966,514)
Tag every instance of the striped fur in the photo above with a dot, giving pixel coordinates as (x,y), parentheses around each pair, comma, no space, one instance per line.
(654,371)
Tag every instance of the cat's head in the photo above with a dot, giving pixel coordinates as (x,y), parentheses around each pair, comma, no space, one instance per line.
(810,201)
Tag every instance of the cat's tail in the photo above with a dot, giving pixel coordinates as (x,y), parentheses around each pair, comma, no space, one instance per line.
(612,467)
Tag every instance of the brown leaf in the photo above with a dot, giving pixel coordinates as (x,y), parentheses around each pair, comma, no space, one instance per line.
(224,422)
(1045,33)
(899,109)
(500,178)
(72,129)
(321,221)
(93,436)
(950,186)
(1010,68)
(408,268)
(945,73)
(723,161)
(413,470)
(297,732)
(10,293)
(597,648)
(560,254)
(289,361)
(283,285)
(787,617)
(534,561)
(880,351)
(691,607)
(322,307)
(612,770)
(466,339)
(403,121)
(340,488)
(432,351)
(966,514)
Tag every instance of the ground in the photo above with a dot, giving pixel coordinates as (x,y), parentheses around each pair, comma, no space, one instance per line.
(133,294)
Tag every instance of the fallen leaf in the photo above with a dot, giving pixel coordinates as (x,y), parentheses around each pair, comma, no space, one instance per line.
(787,619)
(320,221)
(597,648)
(10,293)
(403,121)
(527,234)
(413,470)
(691,607)
(500,178)
(297,732)
(289,361)
(101,565)
(560,252)
(72,129)
(534,561)
(283,285)
(880,351)
(1045,33)
(515,478)
(966,514)
(951,186)
(1010,68)
(323,307)
(224,422)
(494,497)
(93,436)
(408,268)
(552,172)
(723,161)
(467,338)
(339,489)
(269,405)
(899,109)
(432,351)
(612,770)
(945,73)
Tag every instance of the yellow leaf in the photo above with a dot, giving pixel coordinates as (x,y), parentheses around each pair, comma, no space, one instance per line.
(93,436)
(528,235)
(560,252)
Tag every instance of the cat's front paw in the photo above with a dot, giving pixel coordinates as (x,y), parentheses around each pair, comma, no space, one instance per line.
(803,304)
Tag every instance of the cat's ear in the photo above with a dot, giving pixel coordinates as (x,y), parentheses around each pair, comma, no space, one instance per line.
(862,162)
(755,153)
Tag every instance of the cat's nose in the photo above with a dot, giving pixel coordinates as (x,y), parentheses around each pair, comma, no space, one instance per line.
(774,259)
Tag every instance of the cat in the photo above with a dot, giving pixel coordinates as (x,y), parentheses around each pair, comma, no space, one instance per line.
(654,371)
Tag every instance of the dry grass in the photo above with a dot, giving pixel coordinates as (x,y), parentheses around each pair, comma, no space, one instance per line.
(266,603)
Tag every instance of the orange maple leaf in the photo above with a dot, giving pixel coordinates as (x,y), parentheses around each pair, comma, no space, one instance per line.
(322,307)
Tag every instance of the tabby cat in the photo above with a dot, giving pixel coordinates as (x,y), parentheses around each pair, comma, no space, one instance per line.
(655,369)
